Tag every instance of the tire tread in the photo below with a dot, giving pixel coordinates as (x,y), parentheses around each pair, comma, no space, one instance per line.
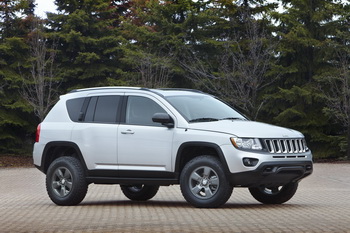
(221,197)
(80,186)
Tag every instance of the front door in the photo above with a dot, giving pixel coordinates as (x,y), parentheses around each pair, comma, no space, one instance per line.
(144,145)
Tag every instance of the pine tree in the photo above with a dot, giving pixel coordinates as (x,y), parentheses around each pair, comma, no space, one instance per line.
(89,41)
(229,52)
(303,30)
(16,122)
(155,31)
(335,84)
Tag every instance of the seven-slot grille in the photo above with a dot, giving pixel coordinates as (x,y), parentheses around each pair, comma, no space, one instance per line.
(284,146)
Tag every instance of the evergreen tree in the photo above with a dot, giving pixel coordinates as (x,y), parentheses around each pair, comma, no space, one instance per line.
(230,51)
(303,30)
(335,84)
(219,45)
(155,31)
(89,41)
(16,122)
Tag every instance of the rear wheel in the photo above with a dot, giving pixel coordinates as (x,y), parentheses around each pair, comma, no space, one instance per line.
(139,192)
(274,195)
(65,181)
(204,184)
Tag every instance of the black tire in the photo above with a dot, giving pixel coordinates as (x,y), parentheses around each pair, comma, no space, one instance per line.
(204,184)
(65,181)
(139,192)
(274,195)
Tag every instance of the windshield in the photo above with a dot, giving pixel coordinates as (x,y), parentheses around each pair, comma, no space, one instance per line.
(200,108)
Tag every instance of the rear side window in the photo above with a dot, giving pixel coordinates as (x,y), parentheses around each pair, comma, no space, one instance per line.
(90,112)
(74,107)
(102,109)
(106,109)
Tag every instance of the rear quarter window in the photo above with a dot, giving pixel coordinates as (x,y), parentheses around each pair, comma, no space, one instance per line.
(74,108)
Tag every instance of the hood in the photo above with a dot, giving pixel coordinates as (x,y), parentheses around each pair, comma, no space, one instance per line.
(246,129)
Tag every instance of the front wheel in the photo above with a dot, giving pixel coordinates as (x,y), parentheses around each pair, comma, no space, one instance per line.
(274,195)
(203,182)
(139,192)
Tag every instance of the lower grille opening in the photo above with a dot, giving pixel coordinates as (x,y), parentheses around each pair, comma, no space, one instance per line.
(278,157)
(308,167)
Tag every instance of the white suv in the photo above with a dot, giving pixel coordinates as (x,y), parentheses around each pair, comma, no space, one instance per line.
(143,138)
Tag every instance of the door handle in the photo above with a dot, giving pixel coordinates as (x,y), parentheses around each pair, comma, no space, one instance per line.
(129,131)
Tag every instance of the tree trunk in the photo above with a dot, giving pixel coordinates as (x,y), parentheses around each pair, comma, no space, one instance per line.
(348,147)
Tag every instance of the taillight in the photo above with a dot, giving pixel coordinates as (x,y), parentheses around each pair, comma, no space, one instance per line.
(37,135)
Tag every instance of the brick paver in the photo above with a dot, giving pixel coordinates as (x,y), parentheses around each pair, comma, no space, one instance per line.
(322,204)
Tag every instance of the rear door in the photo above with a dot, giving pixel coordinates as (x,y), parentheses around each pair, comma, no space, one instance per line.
(96,131)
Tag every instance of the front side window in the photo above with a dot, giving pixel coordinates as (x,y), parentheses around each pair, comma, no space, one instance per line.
(140,110)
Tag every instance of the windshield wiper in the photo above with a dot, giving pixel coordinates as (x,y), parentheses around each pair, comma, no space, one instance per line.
(233,118)
(203,119)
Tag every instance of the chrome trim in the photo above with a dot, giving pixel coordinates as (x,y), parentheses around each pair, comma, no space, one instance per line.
(286,146)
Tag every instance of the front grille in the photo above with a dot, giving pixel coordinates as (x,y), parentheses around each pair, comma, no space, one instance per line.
(285,146)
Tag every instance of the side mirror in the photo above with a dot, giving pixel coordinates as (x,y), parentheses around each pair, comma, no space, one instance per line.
(164,119)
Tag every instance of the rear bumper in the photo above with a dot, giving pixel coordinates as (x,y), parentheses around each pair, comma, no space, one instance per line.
(271,174)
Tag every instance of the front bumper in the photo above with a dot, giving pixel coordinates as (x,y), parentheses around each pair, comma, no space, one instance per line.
(272,174)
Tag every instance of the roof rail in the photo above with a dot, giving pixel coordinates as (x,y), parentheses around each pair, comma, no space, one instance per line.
(180,89)
(106,88)
(136,88)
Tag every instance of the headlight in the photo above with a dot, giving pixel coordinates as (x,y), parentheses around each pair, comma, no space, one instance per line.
(246,143)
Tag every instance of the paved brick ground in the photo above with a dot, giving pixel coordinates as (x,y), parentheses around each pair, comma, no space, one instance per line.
(322,204)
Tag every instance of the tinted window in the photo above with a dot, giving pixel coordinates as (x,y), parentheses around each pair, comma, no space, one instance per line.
(74,107)
(102,109)
(106,109)
(90,112)
(140,111)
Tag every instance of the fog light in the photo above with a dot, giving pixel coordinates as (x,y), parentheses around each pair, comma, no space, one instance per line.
(250,162)
(268,169)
